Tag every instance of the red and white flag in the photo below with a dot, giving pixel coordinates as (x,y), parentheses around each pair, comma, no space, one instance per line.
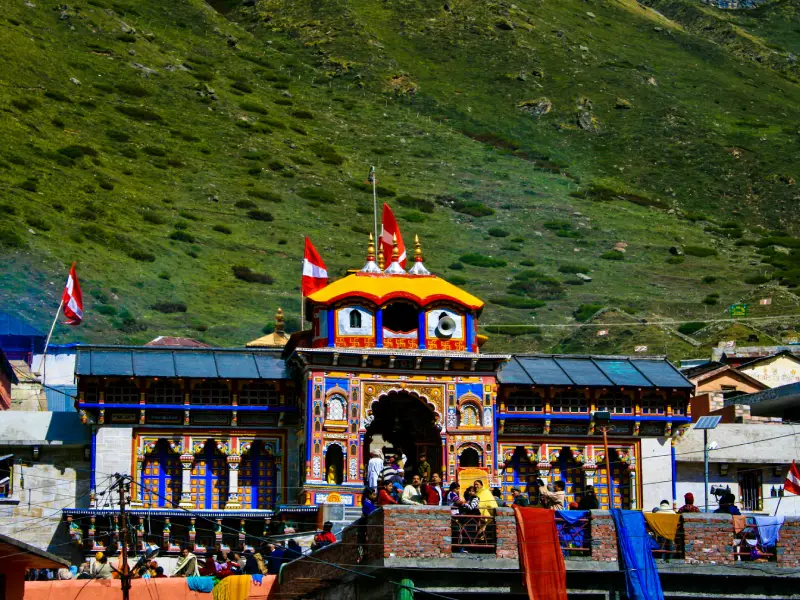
(792,483)
(315,274)
(73,299)
(389,228)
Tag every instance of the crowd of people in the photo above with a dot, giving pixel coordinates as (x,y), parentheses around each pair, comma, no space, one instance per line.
(390,481)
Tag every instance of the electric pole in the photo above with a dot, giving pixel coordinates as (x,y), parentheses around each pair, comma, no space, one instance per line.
(124,570)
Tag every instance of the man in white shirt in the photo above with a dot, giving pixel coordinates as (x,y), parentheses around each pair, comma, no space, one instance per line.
(411,493)
(374,469)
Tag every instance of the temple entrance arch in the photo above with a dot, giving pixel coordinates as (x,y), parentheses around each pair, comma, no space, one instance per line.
(404,422)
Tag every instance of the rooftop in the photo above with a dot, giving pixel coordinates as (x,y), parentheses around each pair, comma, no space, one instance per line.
(592,371)
(17,554)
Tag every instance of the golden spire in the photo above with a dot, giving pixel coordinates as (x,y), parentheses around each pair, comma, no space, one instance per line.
(381,258)
(394,268)
(370,267)
(395,252)
(370,248)
(280,322)
(418,268)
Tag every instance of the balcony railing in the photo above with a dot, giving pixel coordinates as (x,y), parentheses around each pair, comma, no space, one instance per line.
(747,545)
(472,533)
(575,537)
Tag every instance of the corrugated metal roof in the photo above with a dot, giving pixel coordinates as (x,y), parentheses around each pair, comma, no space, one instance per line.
(598,371)
(12,326)
(158,362)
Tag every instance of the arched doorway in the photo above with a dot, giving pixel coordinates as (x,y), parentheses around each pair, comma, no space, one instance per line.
(161,477)
(209,477)
(334,464)
(405,423)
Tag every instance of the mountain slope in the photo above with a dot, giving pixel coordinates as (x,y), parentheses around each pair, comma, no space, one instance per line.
(180,154)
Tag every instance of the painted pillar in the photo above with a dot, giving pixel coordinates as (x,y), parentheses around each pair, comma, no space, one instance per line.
(421,331)
(379,328)
(470,333)
(331,328)
(234,501)
(674,472)
(187,461)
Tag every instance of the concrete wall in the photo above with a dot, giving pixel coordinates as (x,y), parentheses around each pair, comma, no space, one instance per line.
(730,381)
(113,454)
(690,479)
(656,472)
(781,370)
(769,444)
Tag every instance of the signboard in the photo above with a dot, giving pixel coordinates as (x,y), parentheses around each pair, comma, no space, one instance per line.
(738,310)
(640,349)
(602,332)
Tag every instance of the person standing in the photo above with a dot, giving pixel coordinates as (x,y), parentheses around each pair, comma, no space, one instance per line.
(555,500)
(101,569)
(424,467)
(486,501)
(385,495)
(374,469)
(432,493)
(369,502)
(589,499)
(454,500)
(186,566)
(411,493)
(520,499)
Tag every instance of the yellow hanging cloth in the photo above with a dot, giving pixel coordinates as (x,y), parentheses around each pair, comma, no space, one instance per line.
(664,525)
(233,587)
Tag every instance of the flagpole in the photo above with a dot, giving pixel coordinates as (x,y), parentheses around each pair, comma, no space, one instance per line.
(302,310)
(375,203)
(779,505)
(49,335)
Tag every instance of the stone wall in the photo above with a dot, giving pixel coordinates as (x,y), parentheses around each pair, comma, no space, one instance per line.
(604,537)
(417,532)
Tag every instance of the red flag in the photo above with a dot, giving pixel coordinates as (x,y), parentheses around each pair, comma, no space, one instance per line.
(73,299)
(315,274)
(792,483)
(389,228)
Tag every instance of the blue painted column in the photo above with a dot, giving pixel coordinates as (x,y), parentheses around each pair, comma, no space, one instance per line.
(309,419)
(331,328)
(92,479)
(421,331)
(470,333)
(379,328)
(674,472)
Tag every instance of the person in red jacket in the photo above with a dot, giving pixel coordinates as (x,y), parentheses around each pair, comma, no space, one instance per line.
(385,495)
(432,493)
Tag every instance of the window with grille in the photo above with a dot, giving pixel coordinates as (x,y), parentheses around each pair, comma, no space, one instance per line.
(678,406)
(750,489)
(165,392)
(211,392)
(569,402)
(617,404)
(335,410)
(654,405)
(122,393)
(259,393)
(91,393)
(525,401)
(470,416)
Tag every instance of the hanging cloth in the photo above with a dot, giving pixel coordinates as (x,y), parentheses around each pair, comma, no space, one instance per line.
(200,584)
(635,545)
(544,572)
(572,532)
(233,587)
(663,524)
(769,529)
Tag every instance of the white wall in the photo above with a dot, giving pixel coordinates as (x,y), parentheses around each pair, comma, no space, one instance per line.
(114,454)
(59,366)
(769,444)
(656,472)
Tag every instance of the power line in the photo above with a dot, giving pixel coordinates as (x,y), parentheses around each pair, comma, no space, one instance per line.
(643,322)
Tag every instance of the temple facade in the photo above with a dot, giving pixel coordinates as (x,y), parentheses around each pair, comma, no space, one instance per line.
(391,361)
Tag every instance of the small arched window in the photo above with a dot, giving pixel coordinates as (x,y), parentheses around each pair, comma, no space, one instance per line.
(336,410)
(355,319)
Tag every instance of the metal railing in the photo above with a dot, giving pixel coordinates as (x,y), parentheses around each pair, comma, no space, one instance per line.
(575,538)
(666,548)
(747,545)
(473,533)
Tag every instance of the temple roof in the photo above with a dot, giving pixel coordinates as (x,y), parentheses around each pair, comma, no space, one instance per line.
(602,371)
(379,288)
(143,361)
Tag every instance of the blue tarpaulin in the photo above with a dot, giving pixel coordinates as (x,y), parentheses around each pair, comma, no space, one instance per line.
(572,532)
(636,548)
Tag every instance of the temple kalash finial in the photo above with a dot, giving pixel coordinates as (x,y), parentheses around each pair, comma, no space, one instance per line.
(418,268)
(381,259)
(371,266)
(280,322)
(395,268)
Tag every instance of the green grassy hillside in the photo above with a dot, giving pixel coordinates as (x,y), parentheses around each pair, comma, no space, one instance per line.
(181,152)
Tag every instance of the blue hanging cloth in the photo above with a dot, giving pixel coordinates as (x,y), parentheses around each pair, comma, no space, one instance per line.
(571,532)
(635,545)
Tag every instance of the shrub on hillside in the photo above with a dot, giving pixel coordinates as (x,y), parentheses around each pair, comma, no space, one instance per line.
(757,279)
(327,153)
(242,86)
(457,266)
(480,260)
(420,204)
(414,217)
(691,327)
(58,96)
(141,255)
(585,311)
(133,89)
(139,113)
(708,279)
(182,236)
(245,204)
(527,263)
(77,151)
(517,302)
(260,215)
(315,194)
(222,229)
(169,307)
(612,255)
(498,232)
(473,209)
(263,195)
(573,268)
(38,223)
(303,114)
(9,238)
(247,274)
(253,107)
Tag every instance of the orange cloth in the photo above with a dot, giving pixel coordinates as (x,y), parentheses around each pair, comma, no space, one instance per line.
(173,588)
(739,523)
(540,556)
(663,524)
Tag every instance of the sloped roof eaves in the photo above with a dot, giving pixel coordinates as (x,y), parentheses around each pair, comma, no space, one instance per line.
(225,364)
(12,326)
